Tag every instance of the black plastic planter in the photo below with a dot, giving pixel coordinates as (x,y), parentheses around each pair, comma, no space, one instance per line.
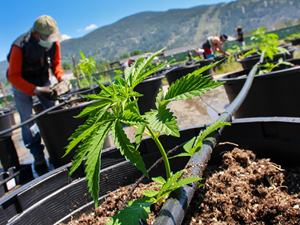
(250,61)
(266,137)
(8,154)
(6,121)
(149,88)
(179,72)
(56,127)
(295,41)
(271,94)
(206,62)
(54,198)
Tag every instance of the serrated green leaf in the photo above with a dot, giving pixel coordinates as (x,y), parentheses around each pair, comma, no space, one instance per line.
(214,126)
(160,180)
(103,88)
(94,159)
(162,120)
(159,97)
(190,86)
(183,182)
(92,97)
(131,118)
(169,183)
(188,146)
(183,154)
(141,67)
(139,135)
(127,149)
(135,94)
(200,185)
(149,193)
(138,209)
(99,106)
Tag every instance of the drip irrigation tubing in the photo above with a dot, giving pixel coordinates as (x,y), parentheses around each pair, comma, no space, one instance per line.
(173,211)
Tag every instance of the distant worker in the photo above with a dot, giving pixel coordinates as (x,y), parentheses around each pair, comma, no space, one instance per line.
(127,64)
(199,52)
(190,56)
(30,57)
(240,35)
(214,41)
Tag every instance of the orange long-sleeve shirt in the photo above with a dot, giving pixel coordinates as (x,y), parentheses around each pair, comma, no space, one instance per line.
(15,68)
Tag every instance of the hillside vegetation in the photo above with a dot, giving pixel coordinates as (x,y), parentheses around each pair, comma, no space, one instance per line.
(177,27)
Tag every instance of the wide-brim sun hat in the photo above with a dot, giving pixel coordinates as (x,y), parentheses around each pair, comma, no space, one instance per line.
(47,29)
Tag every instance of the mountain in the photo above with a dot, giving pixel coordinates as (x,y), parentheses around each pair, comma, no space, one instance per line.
(177,27)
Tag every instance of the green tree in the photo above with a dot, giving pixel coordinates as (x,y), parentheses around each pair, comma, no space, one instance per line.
(137,52)
(124,56)
(67,66)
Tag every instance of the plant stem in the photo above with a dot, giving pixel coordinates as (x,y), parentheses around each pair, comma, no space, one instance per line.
(162,152)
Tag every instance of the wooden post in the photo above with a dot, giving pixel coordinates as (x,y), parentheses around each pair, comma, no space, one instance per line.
(76,71)
(3,93)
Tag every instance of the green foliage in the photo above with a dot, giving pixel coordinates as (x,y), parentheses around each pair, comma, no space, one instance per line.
(137,52)
(67,66)
(268,67)
(118,104)
(86,67)
(267,43)
(293,36)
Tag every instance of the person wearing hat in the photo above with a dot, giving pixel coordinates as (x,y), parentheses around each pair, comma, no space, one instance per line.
(30,58)
(240,35)
(214,42)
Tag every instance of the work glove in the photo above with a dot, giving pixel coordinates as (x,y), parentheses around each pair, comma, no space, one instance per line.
(45,92)
(65,79)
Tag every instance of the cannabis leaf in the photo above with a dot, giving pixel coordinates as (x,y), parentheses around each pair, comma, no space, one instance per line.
(130,215)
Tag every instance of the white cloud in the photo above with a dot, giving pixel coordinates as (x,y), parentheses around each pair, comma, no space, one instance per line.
(90,27)
(65,37)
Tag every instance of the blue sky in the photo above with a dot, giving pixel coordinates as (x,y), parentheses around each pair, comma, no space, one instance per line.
(76,18)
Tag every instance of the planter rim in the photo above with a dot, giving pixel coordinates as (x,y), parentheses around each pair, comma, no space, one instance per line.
(71,108)
(182,68)
(153,78)
(282,72)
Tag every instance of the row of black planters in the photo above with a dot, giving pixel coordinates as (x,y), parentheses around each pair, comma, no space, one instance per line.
(58,125)
(266,136)
(52,199)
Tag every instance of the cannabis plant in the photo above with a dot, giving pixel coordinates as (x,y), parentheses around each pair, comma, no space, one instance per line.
(268,67)
(117,104)
(267,43)
(86,67)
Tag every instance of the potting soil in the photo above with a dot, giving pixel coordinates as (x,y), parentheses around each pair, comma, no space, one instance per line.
(246,191)
(112,203)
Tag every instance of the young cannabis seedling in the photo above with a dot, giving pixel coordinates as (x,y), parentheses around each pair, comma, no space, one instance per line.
(267,43)
(86,67)
(117,104)
(268,67)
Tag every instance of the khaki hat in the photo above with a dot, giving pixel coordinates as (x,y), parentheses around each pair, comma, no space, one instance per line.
(47,28)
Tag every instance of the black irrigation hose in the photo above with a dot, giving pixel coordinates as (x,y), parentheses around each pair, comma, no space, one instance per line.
(38,115)
(143,176)
(173,211)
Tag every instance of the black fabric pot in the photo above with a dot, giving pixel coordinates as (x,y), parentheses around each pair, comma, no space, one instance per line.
(56,127)
(149,88)
(272,94)
(250,61)
(179,72)
(266,137)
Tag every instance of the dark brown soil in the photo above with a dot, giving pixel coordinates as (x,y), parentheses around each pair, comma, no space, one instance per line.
(112,203)
(246,191)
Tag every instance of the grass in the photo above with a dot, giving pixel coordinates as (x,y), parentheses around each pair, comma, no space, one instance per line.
(231,65)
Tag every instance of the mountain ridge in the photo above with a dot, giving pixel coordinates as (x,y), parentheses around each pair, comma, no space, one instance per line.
(173,28)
